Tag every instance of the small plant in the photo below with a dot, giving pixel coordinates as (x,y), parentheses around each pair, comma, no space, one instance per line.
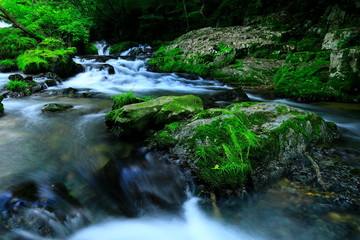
(16,86)
(125,99)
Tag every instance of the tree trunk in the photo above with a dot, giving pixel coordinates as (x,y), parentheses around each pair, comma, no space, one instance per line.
(9,17)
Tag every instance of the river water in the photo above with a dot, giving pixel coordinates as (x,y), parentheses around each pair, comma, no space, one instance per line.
(72,147)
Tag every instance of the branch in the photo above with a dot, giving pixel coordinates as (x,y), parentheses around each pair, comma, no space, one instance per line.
(18,25)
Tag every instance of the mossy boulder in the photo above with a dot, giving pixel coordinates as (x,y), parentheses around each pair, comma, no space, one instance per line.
(56,107)
(246,144)
(135,119)
(341,38)
(215,52)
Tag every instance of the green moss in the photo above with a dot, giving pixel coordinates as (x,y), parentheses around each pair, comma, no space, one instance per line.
(222,152)
(309,44)
(305,75)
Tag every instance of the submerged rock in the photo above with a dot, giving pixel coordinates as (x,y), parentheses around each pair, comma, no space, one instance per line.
(135,119)
(56,107)
(245,145)
(44,210)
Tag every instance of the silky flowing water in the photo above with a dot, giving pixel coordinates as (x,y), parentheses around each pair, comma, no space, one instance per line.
(72,147)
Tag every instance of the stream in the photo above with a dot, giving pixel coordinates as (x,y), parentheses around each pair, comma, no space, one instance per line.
(72,147)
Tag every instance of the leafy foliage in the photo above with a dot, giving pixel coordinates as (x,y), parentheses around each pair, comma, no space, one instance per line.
(13,43)
(57,19)
(125,99)
(16,86)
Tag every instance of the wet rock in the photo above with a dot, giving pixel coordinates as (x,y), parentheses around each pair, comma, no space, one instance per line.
(135,187)
(135,119)
(16,77)
(56,107)
(69,92)
(110,69)
(235,95)
(8,69)
(43,209)
(344,70)
(219,145)
(340,38)
(100,58)
(51,82)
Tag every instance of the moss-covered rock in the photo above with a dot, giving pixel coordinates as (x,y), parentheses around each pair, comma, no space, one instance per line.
(56,107)
(227,148)
(215,52)
(136,119)
(341,38)
(345,71)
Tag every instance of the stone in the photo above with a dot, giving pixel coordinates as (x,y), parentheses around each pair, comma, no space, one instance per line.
(16,77)
(345,70)
(134,119)
(56,107)
(217,144)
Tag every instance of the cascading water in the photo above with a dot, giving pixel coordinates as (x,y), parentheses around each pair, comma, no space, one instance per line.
(103,48)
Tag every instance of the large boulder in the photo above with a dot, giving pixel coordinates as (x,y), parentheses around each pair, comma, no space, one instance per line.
(216,52)
(135,119)
(246,144)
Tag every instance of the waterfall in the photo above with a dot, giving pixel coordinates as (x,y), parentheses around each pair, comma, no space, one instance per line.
(103,48)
